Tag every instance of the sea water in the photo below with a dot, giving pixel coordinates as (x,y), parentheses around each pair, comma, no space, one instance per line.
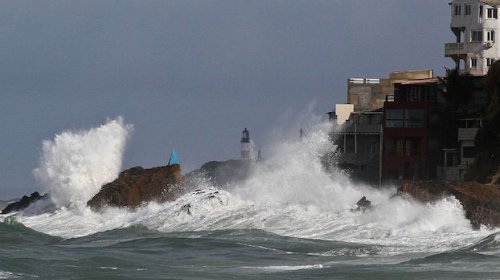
(289,220)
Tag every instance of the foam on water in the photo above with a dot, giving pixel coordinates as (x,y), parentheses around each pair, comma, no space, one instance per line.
(290,194)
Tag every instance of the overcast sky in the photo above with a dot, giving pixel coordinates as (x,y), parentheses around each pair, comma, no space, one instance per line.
(191,75)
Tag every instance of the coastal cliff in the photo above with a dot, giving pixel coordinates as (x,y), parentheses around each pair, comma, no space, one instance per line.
(137,185)
(481,202)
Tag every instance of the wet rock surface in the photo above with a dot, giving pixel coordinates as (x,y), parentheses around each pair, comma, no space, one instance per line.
(24,202)
(137,185)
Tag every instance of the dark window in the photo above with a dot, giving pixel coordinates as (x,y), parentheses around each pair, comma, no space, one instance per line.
(394,118)
(349,147)
(467,10)
(458,10)
(451,159)
(490,61)
(492,13)
(390,146)
(481,11)
(400,147)
(414,118)
(477,36)
(468,152)
(411,148)
(473,62)
(490,35)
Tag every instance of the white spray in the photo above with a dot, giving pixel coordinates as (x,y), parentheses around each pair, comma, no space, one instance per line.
(76,164)
(289,194)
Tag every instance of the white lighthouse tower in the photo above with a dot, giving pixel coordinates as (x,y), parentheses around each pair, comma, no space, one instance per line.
(246,145)
(476,26)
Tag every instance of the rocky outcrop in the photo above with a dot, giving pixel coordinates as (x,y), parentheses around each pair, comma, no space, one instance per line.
(23,203)
(225,172)
(481,202)
(137,185)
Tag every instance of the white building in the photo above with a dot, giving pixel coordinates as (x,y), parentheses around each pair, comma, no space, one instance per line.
(476,27)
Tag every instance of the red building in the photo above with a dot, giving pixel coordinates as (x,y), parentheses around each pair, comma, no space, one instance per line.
(411,148)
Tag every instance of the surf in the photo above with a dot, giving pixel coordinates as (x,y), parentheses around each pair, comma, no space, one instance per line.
(289,194)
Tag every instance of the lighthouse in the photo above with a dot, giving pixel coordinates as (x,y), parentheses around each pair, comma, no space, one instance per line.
(246,145)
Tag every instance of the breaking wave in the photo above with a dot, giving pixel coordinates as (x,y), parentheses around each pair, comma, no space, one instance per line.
(76,164)
(289,194)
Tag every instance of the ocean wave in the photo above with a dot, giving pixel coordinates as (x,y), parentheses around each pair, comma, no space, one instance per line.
(290,194)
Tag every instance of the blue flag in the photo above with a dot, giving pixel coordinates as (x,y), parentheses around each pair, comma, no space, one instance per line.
(173,158)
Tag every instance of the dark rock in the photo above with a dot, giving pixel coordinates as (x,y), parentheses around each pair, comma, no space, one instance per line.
(24,202)
(363,202)
(225,172)
(137,185)
(481,202)
(187,208)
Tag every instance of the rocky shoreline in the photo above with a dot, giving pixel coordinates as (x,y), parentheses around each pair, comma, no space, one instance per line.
(137,186)
(481,202)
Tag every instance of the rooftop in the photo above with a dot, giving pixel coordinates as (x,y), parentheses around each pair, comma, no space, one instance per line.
(417,82)
(490,2)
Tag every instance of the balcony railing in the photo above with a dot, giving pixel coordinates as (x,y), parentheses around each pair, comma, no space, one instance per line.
(467,133)
(454,48)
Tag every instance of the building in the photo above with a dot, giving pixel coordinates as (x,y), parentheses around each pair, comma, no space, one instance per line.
(246,145)
(358,145)
(369,94)
(366,95)
(359,142)
(412,130)
(476,27)
(466,118)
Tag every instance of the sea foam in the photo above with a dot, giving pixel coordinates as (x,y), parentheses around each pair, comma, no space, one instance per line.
(290,194)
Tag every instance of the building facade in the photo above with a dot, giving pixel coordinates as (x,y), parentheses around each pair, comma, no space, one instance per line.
(476,27)
(358,145)
(411,144)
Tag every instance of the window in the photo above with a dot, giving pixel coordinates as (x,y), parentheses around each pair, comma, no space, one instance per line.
(476,36)
(468,152)
(467,10)
(490,61)
(473,62)
(492,13)
(458,10)
(411,148)
(390,146)
(410,118)
(400,144)
(490,36)
(481,12)
(414,93)
(414,118)
(394,118)
(408,147)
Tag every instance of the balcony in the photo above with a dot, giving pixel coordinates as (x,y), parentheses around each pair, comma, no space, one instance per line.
(454,49)
(465,134)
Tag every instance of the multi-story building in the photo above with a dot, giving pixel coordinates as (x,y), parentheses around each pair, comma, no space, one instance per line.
(411,142)
(466,115)
(358,145)
(476,26)
(359,140)
(365,95)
